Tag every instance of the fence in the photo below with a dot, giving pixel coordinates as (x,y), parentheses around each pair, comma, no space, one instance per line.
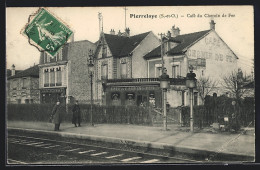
(101,114)
(215,109)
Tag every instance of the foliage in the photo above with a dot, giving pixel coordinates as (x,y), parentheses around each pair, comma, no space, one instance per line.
(233,84)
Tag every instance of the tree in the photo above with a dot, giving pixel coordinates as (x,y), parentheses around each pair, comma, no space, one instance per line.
(233,84)
(205,85)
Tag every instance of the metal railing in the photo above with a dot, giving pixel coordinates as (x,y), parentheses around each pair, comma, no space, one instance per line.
(175,81)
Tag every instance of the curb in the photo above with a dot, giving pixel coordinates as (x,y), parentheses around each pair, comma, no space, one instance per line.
(145,144)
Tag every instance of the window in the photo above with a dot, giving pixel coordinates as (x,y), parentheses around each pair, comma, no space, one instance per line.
(52,77)
(14,84)
(123,70)
(59,78)
(182,97)
(59,55)
(104,72)
(46,78)
(104,51)
(26,101)
(45,57)
(18,101)
(175,71)
(52,58)
(25,83)
(158,71)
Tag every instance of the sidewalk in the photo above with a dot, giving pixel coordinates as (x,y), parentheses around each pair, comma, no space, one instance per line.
(241,144)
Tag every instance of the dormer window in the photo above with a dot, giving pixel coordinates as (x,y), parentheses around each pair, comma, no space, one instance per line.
(123,68)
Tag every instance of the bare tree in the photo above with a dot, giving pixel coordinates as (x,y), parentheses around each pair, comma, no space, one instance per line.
(233,84)
(205,85)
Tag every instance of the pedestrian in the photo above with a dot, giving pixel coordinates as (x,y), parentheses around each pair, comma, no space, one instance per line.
(76,117)
(56,116)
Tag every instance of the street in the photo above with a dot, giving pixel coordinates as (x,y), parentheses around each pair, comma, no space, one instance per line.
(31,149)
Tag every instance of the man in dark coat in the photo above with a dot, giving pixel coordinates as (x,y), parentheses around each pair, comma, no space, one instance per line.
(76,118)
(57,112)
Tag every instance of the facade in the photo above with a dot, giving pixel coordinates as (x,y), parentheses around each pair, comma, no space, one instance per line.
(65,76)
(23,87)
(120,77)
(10,72)
(205,51)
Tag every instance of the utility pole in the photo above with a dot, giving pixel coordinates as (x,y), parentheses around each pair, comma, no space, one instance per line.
(162,35)
(164,84)
(125,16)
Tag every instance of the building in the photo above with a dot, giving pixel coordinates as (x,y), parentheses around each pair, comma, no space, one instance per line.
(65,76)
(209,55)
(10,72)
(23,86)
(128,67)
(120,74)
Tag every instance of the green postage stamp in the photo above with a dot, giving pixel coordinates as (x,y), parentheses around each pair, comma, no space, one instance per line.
(46,32)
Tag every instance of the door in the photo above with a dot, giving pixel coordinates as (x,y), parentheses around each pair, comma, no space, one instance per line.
(139,99)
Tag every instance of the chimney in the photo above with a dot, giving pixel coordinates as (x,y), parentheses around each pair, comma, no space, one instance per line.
(169,34)
(119,33)
(13,70)
(175,31)
(112,32)
(127,31)
(212,25)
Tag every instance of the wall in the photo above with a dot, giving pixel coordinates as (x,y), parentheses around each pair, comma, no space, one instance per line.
(220,60)
(139,65)
(78,75)
(151,67)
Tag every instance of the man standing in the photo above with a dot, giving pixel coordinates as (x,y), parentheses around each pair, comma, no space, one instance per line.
(57,115)
(76,118)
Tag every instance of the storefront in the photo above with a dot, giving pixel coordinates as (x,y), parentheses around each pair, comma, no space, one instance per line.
(52,95)
(135,95)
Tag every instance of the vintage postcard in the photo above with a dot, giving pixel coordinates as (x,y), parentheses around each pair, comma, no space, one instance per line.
(130,85)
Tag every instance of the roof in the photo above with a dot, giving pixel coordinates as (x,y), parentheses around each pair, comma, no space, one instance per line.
(184,40)
(154,53)
(30,72)
(122,46)
(9,72)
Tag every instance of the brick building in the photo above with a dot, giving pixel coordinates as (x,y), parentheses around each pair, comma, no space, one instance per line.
(23,86)
(205,51)
(65,76)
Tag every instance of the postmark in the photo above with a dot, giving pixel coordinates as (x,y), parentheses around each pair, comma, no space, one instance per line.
(46,32)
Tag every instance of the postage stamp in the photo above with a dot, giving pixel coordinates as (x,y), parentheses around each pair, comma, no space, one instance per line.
(47,32)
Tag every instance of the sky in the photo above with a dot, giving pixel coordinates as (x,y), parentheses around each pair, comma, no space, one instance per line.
(236,28)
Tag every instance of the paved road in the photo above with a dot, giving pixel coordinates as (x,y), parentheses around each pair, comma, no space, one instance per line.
(31,149)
